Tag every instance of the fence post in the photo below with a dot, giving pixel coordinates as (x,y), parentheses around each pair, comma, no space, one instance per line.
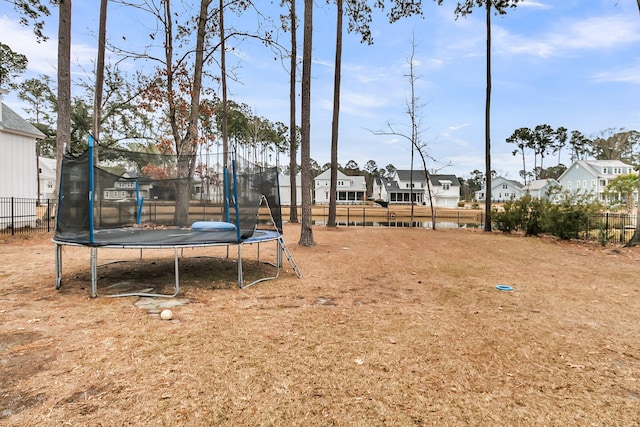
(13,219)
(364,217)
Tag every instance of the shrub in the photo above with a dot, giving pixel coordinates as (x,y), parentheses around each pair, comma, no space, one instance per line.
(534,216)
(523,214)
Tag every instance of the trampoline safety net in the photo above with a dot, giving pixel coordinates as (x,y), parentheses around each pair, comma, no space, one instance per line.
(106,189)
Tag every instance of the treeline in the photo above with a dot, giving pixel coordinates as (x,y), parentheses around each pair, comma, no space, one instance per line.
(544,142)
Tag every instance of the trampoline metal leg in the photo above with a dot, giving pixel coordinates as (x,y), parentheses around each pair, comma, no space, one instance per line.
(58,266)
(94,272)
(240,279)
(177,269)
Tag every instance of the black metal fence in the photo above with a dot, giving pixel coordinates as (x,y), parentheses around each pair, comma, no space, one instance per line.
(609,228)
(21,215)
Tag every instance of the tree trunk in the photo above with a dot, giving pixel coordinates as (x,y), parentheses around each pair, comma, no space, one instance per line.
(487,130)
(188,145)
(223,78)
(635,240)
(293,145)
(63,132)
(97,96)
(333,186)
(306,232)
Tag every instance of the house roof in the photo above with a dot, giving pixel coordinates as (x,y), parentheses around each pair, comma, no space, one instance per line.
(594,167)
(11,122)
(419,175)
(445,179)
(539,184)
(47,167)
(405,175)
(499,180)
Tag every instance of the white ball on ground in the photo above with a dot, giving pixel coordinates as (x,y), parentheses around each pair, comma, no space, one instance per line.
(166,314)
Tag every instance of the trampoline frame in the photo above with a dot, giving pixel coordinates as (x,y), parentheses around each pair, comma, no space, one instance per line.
(267,236)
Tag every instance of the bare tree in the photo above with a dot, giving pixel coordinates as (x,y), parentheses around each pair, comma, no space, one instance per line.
(306,231)
(414,138)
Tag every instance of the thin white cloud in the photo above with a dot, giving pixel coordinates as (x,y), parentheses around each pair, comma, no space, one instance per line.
(43,57)
(534,4)
(625,75)
(596,33)
(463,125)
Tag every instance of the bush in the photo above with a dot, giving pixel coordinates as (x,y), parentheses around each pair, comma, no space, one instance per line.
(533,216)
(523,215)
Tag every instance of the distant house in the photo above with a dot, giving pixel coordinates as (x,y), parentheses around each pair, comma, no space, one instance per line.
(387,190)
(592,176)
(541,188)
(46,178)
(445,191)
(129,186)
(403,186)
(350,189)
(502,189)
(284,182)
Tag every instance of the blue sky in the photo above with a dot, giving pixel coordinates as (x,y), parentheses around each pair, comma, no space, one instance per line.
(571,63)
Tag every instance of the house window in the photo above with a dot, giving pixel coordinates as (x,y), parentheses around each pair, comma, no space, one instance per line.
(445,187)
(106,194)
(569,185)
(505,186)
(605,171)
(577,184)
(584,183)
(593,183)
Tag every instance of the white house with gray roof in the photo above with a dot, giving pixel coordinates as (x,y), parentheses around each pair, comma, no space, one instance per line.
(350,189)
(592,177)
(18,160)
(18,167)
(403,186)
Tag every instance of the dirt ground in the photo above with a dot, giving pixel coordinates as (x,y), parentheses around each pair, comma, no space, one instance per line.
(388,326)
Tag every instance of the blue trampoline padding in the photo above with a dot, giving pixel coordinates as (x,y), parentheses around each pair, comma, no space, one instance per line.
(213,226)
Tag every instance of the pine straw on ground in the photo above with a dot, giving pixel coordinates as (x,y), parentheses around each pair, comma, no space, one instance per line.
(399,327)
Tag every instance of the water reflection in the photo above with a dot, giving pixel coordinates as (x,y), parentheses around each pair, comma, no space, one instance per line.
(401,224)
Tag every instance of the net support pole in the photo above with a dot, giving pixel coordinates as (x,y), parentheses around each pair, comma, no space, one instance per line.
(91,187)
(225,181)
(235,199)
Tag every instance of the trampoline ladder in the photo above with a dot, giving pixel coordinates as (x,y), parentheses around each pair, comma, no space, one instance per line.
(287,254)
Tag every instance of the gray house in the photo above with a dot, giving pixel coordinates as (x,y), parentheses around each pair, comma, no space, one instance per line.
(591,177)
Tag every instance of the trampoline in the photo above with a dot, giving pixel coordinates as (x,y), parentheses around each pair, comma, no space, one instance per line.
(114,198)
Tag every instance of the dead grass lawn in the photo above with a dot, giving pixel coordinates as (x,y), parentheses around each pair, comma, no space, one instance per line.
(398,327)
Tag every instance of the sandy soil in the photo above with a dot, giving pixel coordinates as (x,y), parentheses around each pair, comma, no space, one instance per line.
(398,327)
